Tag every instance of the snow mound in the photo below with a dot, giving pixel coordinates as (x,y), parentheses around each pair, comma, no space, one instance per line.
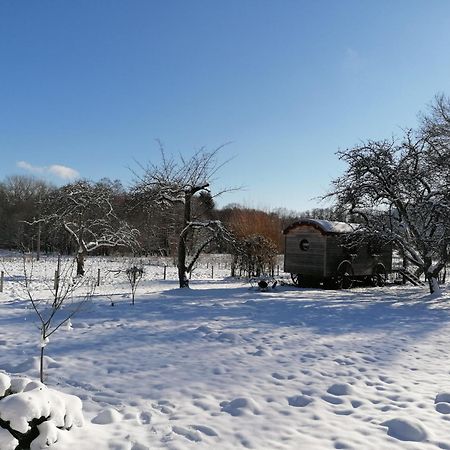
(29,406)
(107,416)
(5,383)
(48,435)
(21,408)
(33,364)
(406,430)
(340,389)
(240,406)
(7,441)
(19,384)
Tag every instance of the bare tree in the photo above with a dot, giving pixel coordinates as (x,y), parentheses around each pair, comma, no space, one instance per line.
(19,204)
(64,302)
(85,211)
(177,182)
(436,126)
(134,276)
(392,188)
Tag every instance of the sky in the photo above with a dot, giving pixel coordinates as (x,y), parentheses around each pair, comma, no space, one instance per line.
(87,88)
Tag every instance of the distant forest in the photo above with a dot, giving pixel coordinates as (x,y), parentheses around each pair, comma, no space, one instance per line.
(30,210)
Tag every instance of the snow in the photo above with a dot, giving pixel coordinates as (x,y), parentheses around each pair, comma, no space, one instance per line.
(27,401)
(7,441)
(225,366)
(406,430)
(38,401)
(328,226)
(5,383)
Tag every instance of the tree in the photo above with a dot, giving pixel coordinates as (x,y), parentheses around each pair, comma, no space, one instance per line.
(21,198)
(61,308)
(86,212)
(246,222)
(254,255)
(134,275)
(394,189)
(178,182)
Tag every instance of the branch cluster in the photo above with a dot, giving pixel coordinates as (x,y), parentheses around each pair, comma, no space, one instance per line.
(400,189)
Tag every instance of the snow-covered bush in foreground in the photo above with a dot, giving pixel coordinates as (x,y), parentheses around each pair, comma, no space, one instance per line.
(31,413)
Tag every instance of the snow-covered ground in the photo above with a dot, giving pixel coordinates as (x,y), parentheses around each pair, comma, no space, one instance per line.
(224,366)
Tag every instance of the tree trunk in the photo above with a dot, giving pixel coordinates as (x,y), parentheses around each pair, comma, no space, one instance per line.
(432,273)
(41,364)
(38,243)
(433,284)
(182,270)
(80,263)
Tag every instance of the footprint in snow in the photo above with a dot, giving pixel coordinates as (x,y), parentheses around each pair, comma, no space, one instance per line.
(259,352)
(332,399)
(208,431)
(386,380)
(344,361)
(191,435)
(240,406)
(278,376)
(299,401)
(164,406)
(137,446)
(145,418)
(442,403)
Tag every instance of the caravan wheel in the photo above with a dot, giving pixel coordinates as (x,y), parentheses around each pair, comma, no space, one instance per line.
(344,277)
(379,276)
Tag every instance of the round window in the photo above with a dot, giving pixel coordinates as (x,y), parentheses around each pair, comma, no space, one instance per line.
(304,245)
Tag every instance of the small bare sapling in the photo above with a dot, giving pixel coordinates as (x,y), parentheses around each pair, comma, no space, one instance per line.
(58,302)
(134,275)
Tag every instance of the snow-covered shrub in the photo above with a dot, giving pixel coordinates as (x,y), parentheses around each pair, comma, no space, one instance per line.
(31,414)
(254,255)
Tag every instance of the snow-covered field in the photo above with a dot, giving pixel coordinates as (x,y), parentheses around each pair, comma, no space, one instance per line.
(224,366)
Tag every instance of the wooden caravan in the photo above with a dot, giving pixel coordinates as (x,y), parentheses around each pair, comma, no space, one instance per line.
(316,251)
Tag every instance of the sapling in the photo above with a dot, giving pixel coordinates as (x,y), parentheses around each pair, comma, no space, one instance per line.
(65,301)
(134,275)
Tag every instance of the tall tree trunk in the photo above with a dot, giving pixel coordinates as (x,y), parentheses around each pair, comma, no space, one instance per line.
(432,274)
(182,269)
(80,263)
(433,284)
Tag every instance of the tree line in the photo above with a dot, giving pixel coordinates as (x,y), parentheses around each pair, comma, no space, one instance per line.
(24,200)
(169,210)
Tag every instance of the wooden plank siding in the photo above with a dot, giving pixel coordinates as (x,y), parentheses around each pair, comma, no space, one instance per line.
(310,262)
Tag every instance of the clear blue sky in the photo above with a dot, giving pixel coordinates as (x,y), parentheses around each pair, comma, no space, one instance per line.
(90,84)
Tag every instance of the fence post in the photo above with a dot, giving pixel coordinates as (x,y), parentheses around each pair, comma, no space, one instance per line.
(2,276)
(165,270)
(98,277)
(278,271)
(212,271)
